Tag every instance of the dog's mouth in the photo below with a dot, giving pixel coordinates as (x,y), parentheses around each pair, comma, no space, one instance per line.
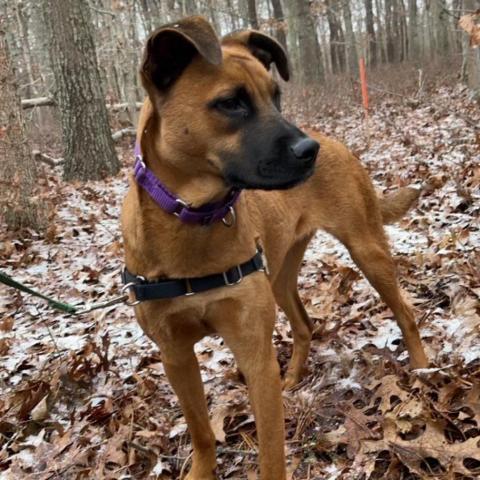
(267,179)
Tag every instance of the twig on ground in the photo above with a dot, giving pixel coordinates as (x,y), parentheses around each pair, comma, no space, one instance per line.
(124,132)
(47,159)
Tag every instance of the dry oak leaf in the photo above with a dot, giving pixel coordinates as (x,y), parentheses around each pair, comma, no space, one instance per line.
(468,23)
(218,418)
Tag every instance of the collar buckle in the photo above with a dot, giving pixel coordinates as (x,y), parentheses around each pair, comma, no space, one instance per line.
(183,204)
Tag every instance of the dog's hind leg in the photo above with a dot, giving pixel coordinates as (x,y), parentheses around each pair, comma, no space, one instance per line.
(184,375)
(370,251)
(287,298)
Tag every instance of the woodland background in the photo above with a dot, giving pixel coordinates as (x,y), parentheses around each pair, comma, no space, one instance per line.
(87,397)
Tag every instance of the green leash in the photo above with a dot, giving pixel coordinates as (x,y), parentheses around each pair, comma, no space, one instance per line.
(63,307)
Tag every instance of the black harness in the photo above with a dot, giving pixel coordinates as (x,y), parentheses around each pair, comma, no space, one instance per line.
(155,290)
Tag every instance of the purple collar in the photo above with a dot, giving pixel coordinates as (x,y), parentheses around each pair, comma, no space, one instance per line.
(204,215)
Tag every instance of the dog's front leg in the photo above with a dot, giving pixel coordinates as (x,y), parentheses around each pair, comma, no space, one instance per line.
(183,373)
(248,333)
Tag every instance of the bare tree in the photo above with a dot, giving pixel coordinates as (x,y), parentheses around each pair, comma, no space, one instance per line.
(372,40)
(17,168)
(309,62)
(89,150)
(280,22)
(471,56)
(252,14)
(413,40)
(352,57)
(337,39)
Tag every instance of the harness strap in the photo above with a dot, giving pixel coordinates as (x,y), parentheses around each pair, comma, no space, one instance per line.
(147,290)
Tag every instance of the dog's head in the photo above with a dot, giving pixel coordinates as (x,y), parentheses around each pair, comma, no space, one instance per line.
(219,107)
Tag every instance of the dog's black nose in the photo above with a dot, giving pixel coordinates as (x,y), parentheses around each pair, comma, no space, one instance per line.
(306,149)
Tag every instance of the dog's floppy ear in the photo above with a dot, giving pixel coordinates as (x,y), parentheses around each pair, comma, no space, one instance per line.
(171,48)
(263,47)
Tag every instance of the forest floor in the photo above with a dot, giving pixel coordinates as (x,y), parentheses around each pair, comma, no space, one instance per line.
(87,397)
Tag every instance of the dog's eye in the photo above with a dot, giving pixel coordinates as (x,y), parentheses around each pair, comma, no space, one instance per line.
(233,106)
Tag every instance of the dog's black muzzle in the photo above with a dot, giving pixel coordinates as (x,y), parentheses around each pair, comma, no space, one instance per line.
(276,155)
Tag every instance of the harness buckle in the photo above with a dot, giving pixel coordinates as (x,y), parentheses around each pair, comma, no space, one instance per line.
(189,291)
(240,277)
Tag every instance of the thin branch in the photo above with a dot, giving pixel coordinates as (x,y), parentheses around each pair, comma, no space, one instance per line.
(101,11)
(124,132)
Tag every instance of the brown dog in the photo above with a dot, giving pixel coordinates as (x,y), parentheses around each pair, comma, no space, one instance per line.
(212,121)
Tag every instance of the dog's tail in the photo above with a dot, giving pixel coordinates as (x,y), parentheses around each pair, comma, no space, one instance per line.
(395,205)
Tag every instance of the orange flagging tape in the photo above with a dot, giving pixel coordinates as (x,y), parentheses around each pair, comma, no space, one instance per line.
(363,81)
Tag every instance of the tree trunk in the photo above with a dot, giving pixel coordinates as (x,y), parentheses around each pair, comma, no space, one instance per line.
(372,40)
(22,20)
(252,14)
(17,168)
(89,149)
(471,56)
(233,16)
(292,39)
(456,32)
(429,43)
(390,31)
(132,65)
(309,55)
(402,30)
(413,45)
(381,35)
(352,56)
(337,39)
(279,22)
(440,20)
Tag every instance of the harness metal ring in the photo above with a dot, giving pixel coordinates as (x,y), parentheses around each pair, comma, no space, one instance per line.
(124,289)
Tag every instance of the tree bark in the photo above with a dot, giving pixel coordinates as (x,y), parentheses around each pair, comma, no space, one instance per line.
(22,19)
(413,46)
(441,27)
(471,56)
(252,14)
(309,56)
(280,22)
(89,149)
(337,39)
(390,31)
(372,40)
(17,168)
(381,33)
(352,56)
